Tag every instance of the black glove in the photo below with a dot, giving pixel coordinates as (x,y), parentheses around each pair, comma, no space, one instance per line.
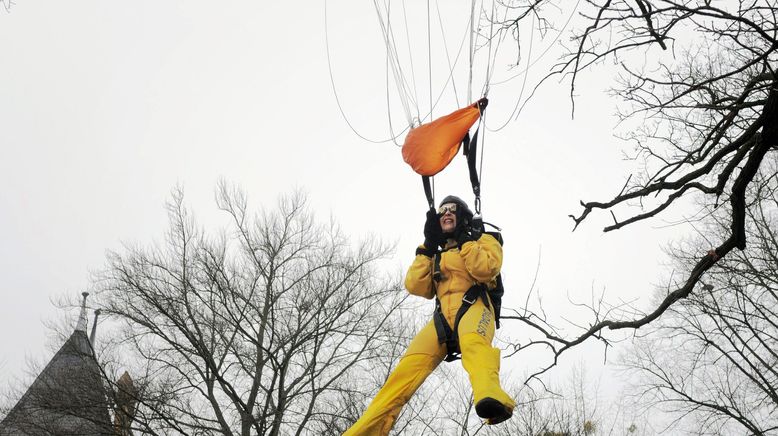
(433,234)
(467,232)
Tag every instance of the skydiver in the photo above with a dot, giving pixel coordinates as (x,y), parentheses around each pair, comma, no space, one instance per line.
(467,259)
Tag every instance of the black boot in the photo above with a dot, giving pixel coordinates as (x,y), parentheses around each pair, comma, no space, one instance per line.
(493,411)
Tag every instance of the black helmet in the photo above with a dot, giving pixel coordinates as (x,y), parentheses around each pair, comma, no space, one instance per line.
(463,213)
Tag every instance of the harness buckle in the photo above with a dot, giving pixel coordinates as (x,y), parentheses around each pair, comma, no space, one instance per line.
(437,275)
(471,301)
(450,357)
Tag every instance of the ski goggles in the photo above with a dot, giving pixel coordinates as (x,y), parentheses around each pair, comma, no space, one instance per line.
(448,207)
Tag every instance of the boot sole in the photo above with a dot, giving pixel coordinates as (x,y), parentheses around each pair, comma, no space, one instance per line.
(492,410)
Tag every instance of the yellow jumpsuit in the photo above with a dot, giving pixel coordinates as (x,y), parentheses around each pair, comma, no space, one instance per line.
(477,261)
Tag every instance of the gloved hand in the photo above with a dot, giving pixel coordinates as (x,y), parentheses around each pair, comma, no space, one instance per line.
(433,234)
(465,232)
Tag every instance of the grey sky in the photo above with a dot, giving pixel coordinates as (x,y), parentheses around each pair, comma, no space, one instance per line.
(105,106)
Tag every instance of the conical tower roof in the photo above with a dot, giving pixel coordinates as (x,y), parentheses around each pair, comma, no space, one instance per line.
(67,397)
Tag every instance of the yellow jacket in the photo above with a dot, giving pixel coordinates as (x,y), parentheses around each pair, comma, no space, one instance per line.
(477,262)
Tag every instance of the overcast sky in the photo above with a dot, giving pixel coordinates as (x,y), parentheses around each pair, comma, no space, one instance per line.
(106,106)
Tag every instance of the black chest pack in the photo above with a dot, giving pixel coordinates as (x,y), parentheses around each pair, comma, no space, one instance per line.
(491,296)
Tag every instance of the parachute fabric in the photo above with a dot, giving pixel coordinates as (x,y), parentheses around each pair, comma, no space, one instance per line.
(430,147)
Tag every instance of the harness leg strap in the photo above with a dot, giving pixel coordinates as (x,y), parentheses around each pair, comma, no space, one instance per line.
(448,335)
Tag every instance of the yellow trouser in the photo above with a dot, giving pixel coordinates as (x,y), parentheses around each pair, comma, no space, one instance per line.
(479,358)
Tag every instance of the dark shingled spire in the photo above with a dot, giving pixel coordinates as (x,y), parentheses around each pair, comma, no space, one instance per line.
(68,397)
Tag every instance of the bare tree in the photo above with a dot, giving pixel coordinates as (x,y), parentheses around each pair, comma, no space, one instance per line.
(573,406)
(266,328)
(712,361)
(699,93)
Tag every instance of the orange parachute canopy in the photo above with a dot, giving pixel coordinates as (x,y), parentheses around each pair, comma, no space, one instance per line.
(430,147)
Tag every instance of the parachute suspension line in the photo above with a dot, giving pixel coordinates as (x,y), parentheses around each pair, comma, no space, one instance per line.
(472,53)
(519,107)
(429,54)
(414,121)
(335,90)
(451,71)
(516,108)
(388,100)
(524,82)
(489,60)
(502,34)
(389,109)
(547,49)
(481,123)
(434,101)
(448,57)
(410,97)
(393,61)
(410,55)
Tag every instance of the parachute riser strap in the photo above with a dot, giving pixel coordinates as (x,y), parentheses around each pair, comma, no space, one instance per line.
(470,150)
(425,180)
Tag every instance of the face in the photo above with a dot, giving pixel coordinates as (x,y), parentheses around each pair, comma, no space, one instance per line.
(448,219)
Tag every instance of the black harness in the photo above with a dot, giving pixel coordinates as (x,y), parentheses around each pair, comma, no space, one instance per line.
(492,298)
